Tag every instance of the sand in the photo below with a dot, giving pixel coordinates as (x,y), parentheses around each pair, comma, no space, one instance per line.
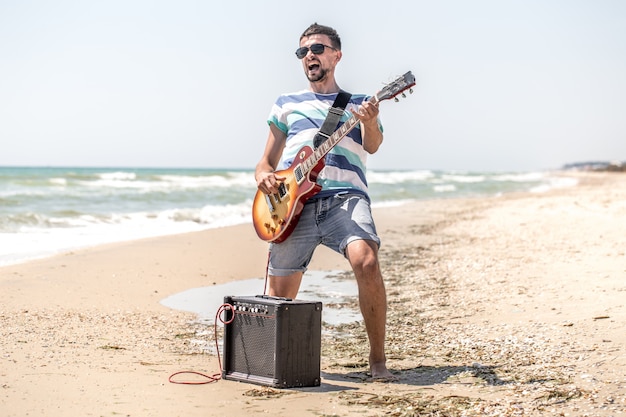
(510,305)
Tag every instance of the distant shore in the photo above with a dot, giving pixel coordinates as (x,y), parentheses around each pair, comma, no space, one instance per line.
(597,166)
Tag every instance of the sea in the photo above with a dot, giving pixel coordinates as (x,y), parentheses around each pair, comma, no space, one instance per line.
(49,210)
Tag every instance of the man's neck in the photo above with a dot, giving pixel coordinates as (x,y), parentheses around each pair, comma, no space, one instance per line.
(324,87)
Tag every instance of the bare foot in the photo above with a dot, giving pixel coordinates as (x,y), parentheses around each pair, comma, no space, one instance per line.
(380,373)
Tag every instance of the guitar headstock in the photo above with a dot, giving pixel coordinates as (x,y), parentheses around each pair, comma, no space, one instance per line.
(396,87)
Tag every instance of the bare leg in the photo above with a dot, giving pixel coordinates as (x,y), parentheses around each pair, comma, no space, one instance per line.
(363,256)
(285,286)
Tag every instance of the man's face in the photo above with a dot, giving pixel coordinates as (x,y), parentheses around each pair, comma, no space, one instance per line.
(317,66)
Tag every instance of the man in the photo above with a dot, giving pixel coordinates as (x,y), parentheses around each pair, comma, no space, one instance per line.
(339,216)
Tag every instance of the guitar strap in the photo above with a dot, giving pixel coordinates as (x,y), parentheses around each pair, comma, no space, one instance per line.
(333,118)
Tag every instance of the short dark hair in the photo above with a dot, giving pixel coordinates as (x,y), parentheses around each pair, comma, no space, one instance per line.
(316,29)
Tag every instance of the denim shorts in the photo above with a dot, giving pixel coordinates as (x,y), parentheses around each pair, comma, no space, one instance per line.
(333,221)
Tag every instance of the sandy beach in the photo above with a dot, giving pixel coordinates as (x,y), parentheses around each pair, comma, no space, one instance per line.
(503,306)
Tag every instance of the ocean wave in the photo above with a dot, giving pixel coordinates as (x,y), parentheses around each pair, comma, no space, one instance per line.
(463,178)
(168,182)
(61,182)
(398,177)
(50,209)
(34,235)
(210,215)
(553,183)
(117,176)
(226,180)
(206,216)
(444,188)
(519,177)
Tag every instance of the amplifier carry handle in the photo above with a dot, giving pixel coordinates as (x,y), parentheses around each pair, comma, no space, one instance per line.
(271,297)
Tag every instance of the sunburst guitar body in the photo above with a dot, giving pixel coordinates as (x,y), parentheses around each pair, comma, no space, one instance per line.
(276,215)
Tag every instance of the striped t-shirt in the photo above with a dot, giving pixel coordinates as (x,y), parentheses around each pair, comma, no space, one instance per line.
(300,115)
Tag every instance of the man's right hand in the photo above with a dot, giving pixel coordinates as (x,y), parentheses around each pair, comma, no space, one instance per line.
(268,182)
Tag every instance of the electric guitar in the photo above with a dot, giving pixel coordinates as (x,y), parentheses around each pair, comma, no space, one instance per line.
(275,216)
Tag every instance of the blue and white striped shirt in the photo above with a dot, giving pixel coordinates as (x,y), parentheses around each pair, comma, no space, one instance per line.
(300,115)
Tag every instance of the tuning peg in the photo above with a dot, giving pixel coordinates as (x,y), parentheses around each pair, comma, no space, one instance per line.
(403,95)
(396,99)
(410,91)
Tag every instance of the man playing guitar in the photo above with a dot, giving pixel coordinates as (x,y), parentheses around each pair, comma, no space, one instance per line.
(339,214)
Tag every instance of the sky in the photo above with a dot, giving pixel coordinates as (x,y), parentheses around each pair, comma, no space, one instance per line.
(502,85)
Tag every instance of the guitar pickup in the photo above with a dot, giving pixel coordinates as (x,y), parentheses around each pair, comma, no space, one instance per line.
(297,172)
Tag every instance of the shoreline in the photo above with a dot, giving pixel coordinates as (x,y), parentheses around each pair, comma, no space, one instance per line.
(512,305)
(122,216)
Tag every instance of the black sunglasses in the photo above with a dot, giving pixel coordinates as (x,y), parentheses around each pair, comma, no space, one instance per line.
(316,48)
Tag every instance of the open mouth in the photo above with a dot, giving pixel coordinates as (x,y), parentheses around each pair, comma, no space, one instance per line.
(314,66)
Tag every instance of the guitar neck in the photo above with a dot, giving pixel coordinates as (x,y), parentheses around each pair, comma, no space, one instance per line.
(332,140)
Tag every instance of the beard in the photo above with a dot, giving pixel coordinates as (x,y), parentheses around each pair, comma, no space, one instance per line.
(318,77)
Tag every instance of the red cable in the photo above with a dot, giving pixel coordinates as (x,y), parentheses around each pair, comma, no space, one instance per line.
(214,377)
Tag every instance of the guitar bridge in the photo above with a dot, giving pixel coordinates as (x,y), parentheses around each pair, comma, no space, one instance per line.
(276,198)
(282,190)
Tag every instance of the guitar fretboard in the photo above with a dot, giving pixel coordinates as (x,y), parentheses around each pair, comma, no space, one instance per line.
(328,144)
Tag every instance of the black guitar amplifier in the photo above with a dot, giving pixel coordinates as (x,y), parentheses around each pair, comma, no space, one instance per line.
(272,341)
